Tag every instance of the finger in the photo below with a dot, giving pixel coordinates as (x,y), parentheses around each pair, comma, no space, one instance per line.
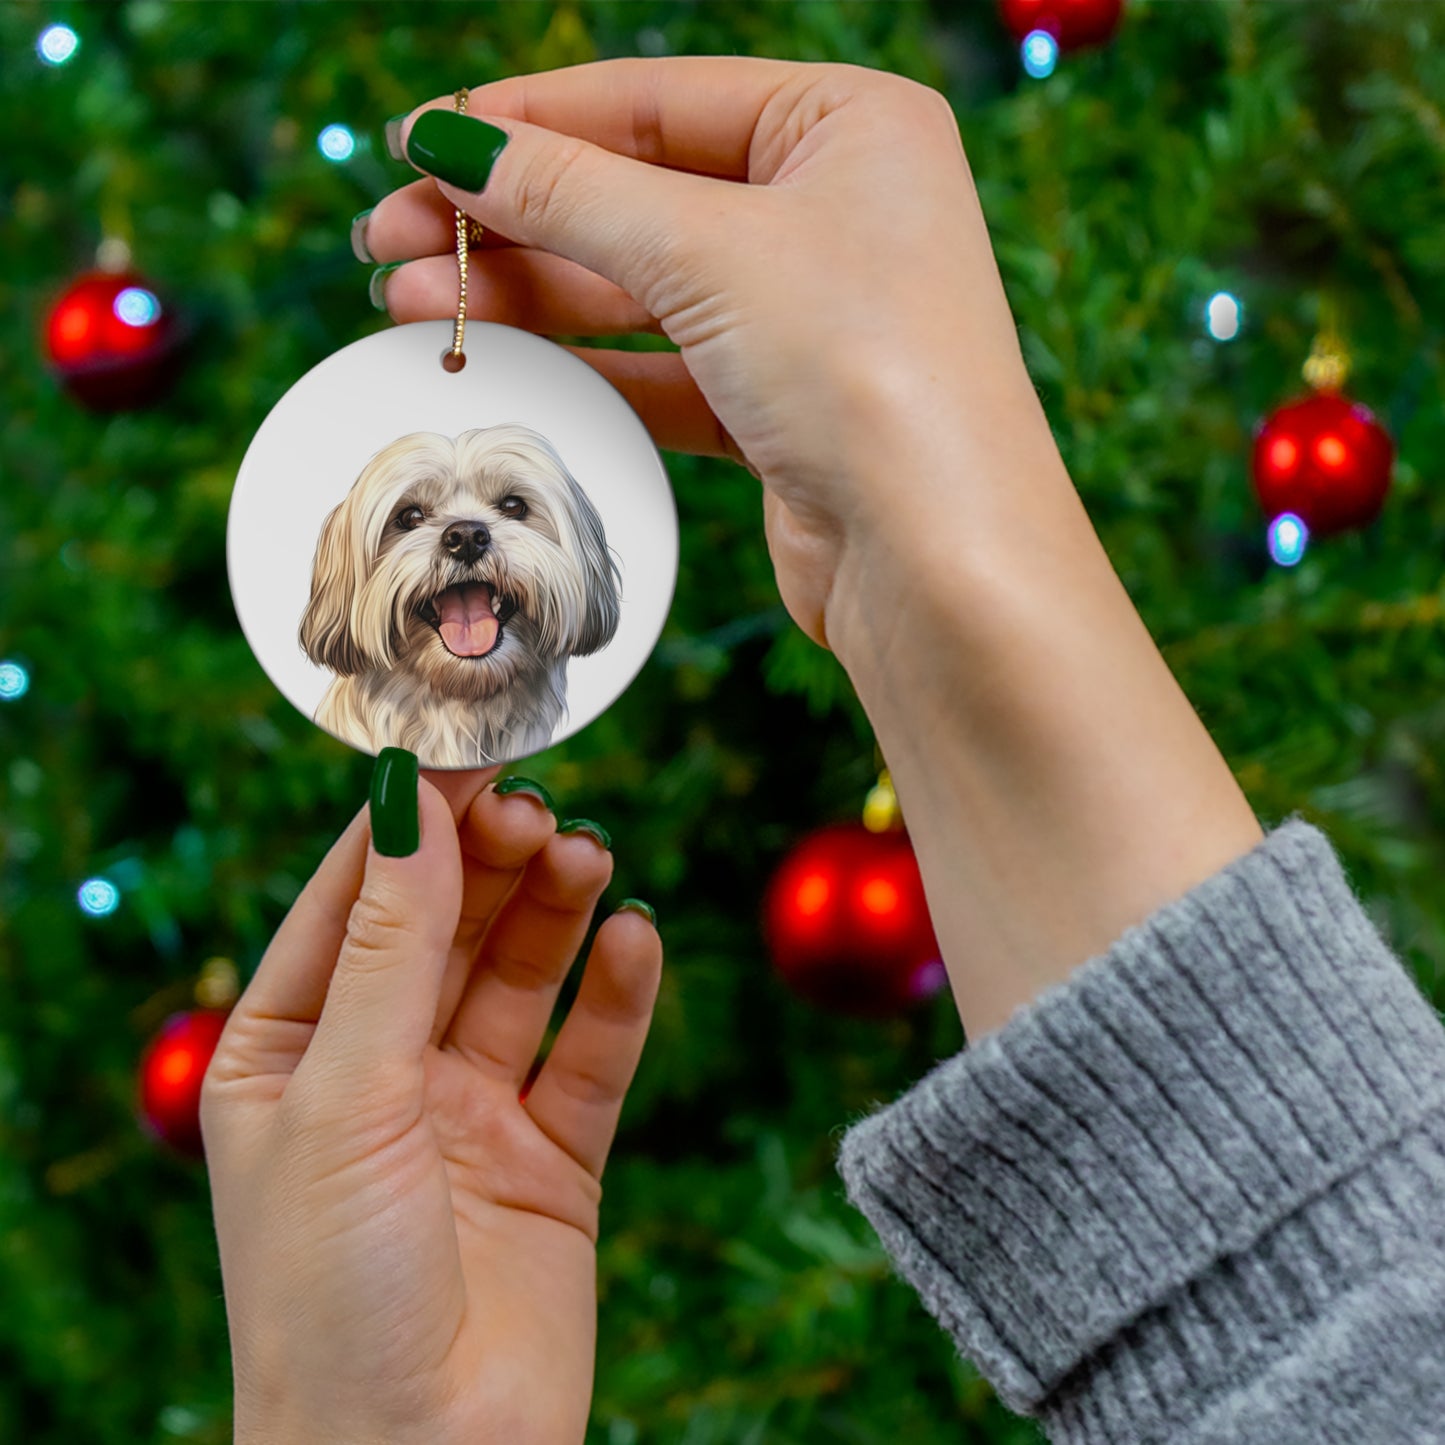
(689,113)
(272,1022)
(620,218)
(656,384)
(577,1097)
(532,290)
(416,220)
(460,787)
(659,388)
(382,998)
(499,834)
(504,1010)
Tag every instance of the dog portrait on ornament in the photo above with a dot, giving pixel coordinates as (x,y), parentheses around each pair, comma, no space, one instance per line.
(448,591)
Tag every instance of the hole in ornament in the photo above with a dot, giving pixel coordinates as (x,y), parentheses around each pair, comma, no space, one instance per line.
(453,361)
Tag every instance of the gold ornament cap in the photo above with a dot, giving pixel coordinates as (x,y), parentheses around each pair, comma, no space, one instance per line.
(1328,366)
(219,985)
(881,813)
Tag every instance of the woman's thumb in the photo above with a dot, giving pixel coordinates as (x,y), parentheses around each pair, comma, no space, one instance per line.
(382,1000)
(623,219)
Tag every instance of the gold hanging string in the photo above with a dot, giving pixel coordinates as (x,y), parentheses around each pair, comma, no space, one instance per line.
(467,231)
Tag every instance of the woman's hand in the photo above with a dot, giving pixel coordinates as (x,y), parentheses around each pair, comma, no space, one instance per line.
(808,235)
(408,1246)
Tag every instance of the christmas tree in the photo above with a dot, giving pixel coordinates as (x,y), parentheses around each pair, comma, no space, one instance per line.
(162,804)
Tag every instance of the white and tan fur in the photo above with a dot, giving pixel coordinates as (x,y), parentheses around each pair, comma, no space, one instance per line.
(379,564)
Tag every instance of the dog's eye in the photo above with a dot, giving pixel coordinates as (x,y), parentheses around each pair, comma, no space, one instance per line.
(513,507)
(410,517)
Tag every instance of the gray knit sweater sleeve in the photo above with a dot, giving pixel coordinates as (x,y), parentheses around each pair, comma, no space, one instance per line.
(1196,1192)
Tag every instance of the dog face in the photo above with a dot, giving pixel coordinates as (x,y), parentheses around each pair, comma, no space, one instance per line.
(469,564)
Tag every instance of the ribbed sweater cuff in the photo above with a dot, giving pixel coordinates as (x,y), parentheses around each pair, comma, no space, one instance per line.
(1159,1155)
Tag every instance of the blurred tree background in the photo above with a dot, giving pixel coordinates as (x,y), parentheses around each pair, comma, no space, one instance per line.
(1282,152)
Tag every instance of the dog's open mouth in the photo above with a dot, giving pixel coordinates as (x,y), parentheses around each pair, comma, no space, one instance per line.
(468,618)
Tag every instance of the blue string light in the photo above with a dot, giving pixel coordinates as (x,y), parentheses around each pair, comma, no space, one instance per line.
(336,143)
(1288,538)
(137,307)
(57,44)
(14,681)
(98,897)
(1040,52)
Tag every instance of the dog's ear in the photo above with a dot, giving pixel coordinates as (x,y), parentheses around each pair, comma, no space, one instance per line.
(603,580)
(326,634)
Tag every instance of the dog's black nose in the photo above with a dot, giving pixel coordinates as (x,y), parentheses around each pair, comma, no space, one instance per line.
(466,541)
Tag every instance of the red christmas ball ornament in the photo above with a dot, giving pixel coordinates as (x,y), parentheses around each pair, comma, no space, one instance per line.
(171,1072)
(1072,23)
(111,341)
(1324,458)
(847,923)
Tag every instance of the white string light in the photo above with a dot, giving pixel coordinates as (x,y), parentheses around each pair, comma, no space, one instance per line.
(1288,538)
(1223,316)
(1040,53)
(336,143)
(57,44)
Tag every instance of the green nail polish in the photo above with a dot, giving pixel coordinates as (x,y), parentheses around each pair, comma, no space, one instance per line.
(455,148)
(636,905)
(376,287)
(359,248)
(395,820)
(586,825)
(516,784)
(392,132)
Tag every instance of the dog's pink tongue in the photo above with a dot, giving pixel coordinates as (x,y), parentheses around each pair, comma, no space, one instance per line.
(468,625)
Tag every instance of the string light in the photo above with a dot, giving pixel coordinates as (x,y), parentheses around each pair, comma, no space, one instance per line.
(1040,52)
(1223,316)
(929,978)
(336,143)
(98,897)
(14,681)
(137,307)
(57,44)
(1288,538)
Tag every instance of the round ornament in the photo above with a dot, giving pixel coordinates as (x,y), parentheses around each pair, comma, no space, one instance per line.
(112,341)
(1073,23)
(172,1070)
(468,561)
(847,923)
(1324,458)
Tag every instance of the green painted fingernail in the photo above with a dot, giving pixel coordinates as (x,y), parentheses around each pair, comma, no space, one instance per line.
(586,825)
(376,288)
(395,811)
(636,905)
(516,784)
(455,148)
(359,248)
(393,136)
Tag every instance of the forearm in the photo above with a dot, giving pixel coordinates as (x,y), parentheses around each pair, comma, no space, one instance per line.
(1057,784)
